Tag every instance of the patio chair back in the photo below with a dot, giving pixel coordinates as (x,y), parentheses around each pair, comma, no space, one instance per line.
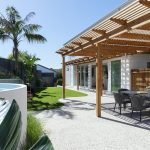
(121,90)
(118,98)
(137,102)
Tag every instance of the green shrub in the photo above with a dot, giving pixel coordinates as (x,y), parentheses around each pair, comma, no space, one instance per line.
(59,82)
(34,130)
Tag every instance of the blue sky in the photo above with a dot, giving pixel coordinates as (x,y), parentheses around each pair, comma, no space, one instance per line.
(61,20)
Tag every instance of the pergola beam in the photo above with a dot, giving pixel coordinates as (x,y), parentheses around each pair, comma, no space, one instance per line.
(145,3)
(111,48)
(119,21)
(102,32)
(77,43)
(136,36)
(86,38)
(70,47)
(125,48)
(120,41)
(145,27)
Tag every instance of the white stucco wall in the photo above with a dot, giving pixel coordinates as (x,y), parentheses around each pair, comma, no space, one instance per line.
(68,75)
(89,76)
(71,75)
(138,61)
(125,72)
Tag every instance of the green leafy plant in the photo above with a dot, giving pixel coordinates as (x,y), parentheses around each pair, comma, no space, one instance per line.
(29,62)
(10,128)
(59,82)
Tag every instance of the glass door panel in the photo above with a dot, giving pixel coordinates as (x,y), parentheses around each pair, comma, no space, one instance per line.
(115,75)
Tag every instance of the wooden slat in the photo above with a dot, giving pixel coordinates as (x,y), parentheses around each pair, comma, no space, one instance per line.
(102,32)
(119,21)
(135,36)
(145,3)
(86,38)
(126,42)
(77,43)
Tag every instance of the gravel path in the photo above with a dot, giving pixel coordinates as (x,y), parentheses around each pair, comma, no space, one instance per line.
(75,127)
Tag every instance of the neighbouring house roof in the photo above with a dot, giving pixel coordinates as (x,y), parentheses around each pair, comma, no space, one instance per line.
(125,31)
(44,69)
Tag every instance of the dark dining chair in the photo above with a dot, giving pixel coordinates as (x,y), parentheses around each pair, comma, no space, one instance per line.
(120,100)
(122,90)
(139,103)
(126,97)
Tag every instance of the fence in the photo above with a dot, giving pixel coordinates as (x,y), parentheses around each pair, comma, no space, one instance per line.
(7,69)
(140,79)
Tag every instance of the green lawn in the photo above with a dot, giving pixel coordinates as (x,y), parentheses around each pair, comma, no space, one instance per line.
(47,98)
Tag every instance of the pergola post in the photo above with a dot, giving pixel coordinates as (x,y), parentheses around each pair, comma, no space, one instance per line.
(77,73)
(63,76)
(98,83)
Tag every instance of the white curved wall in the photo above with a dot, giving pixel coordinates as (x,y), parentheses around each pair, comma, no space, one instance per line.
(18,93)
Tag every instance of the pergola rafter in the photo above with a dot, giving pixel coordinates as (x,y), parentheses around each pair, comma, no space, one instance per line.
(119,21)
(145,3)
(102,32)
(135,36)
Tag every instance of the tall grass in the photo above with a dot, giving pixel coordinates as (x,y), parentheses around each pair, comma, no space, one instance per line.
(34,131)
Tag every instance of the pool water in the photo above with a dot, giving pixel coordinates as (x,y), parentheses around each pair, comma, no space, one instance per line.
(7,86)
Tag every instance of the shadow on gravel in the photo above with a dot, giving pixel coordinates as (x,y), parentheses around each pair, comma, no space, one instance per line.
(126,116)
(79,105)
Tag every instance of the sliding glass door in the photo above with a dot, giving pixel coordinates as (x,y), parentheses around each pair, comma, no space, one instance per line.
(115,75)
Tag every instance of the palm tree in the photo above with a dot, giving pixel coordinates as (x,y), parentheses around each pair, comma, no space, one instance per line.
(13,27)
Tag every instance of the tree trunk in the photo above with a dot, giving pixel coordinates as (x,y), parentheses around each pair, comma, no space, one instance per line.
(15,55)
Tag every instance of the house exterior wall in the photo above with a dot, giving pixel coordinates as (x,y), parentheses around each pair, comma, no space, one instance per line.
(47,75)
(68,75)
(138,61)
(89,76)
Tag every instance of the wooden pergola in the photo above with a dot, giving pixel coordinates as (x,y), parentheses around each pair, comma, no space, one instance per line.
(126,31)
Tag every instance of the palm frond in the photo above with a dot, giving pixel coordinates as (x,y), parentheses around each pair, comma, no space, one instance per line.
(12,14)
(35,38)
(3,22)
(30,15)
(4,36)
(31,28)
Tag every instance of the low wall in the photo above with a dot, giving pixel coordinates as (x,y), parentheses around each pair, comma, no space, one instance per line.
(20,95)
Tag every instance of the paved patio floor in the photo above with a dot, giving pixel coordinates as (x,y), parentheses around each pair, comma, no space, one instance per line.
(76,127)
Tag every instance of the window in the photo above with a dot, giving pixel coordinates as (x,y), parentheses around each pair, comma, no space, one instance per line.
(148,64)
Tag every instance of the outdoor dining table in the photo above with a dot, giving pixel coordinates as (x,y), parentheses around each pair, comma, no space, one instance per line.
(131,93)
